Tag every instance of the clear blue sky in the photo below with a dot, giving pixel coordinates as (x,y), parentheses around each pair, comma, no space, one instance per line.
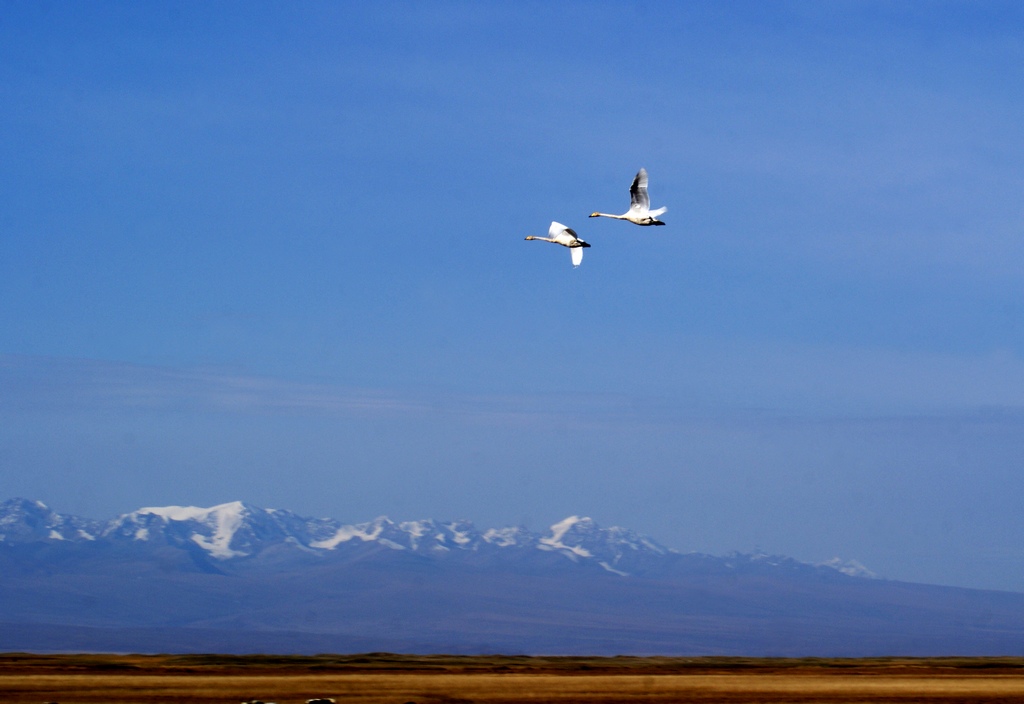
(274,252)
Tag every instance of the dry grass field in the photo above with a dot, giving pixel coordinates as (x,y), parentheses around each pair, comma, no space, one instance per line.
(382,678)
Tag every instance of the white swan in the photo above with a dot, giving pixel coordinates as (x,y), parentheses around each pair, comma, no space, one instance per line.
(565,236)
(639,209)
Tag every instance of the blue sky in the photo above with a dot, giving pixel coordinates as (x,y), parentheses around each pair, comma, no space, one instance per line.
(274,253)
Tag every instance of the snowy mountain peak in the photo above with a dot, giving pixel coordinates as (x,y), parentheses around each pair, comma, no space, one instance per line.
(851,568)
(23,520)
(611,548)
(365,532)
(506,537)
(559,531)
(224,531)
(228,511)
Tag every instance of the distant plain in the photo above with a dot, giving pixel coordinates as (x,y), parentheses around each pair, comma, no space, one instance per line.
(381,678)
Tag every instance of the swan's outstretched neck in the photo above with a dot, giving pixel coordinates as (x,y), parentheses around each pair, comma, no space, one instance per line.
(607,215)
(544,239)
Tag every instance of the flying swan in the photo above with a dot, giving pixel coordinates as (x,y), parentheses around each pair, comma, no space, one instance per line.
(560,234)
(639,204)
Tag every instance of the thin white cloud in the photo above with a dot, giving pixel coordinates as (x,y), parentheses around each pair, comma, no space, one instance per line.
(710,381)
(51,384)
(46,383)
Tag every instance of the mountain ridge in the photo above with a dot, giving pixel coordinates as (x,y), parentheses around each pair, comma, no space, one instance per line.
(238,529)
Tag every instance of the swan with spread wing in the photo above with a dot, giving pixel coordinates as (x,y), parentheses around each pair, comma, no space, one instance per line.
(639,212)
(567,237)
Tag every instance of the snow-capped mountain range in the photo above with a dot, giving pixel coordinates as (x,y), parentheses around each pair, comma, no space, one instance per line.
(236,531)
(236,578)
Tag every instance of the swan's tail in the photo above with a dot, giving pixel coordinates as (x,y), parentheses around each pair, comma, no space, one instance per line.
(659,211)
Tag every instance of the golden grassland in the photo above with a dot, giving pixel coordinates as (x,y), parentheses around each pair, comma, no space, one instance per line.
(385,679)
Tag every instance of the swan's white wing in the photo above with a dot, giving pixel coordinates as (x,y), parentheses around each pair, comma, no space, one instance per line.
(577,255)
(659,211)
(556,229)
(638,199)
(572,232)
